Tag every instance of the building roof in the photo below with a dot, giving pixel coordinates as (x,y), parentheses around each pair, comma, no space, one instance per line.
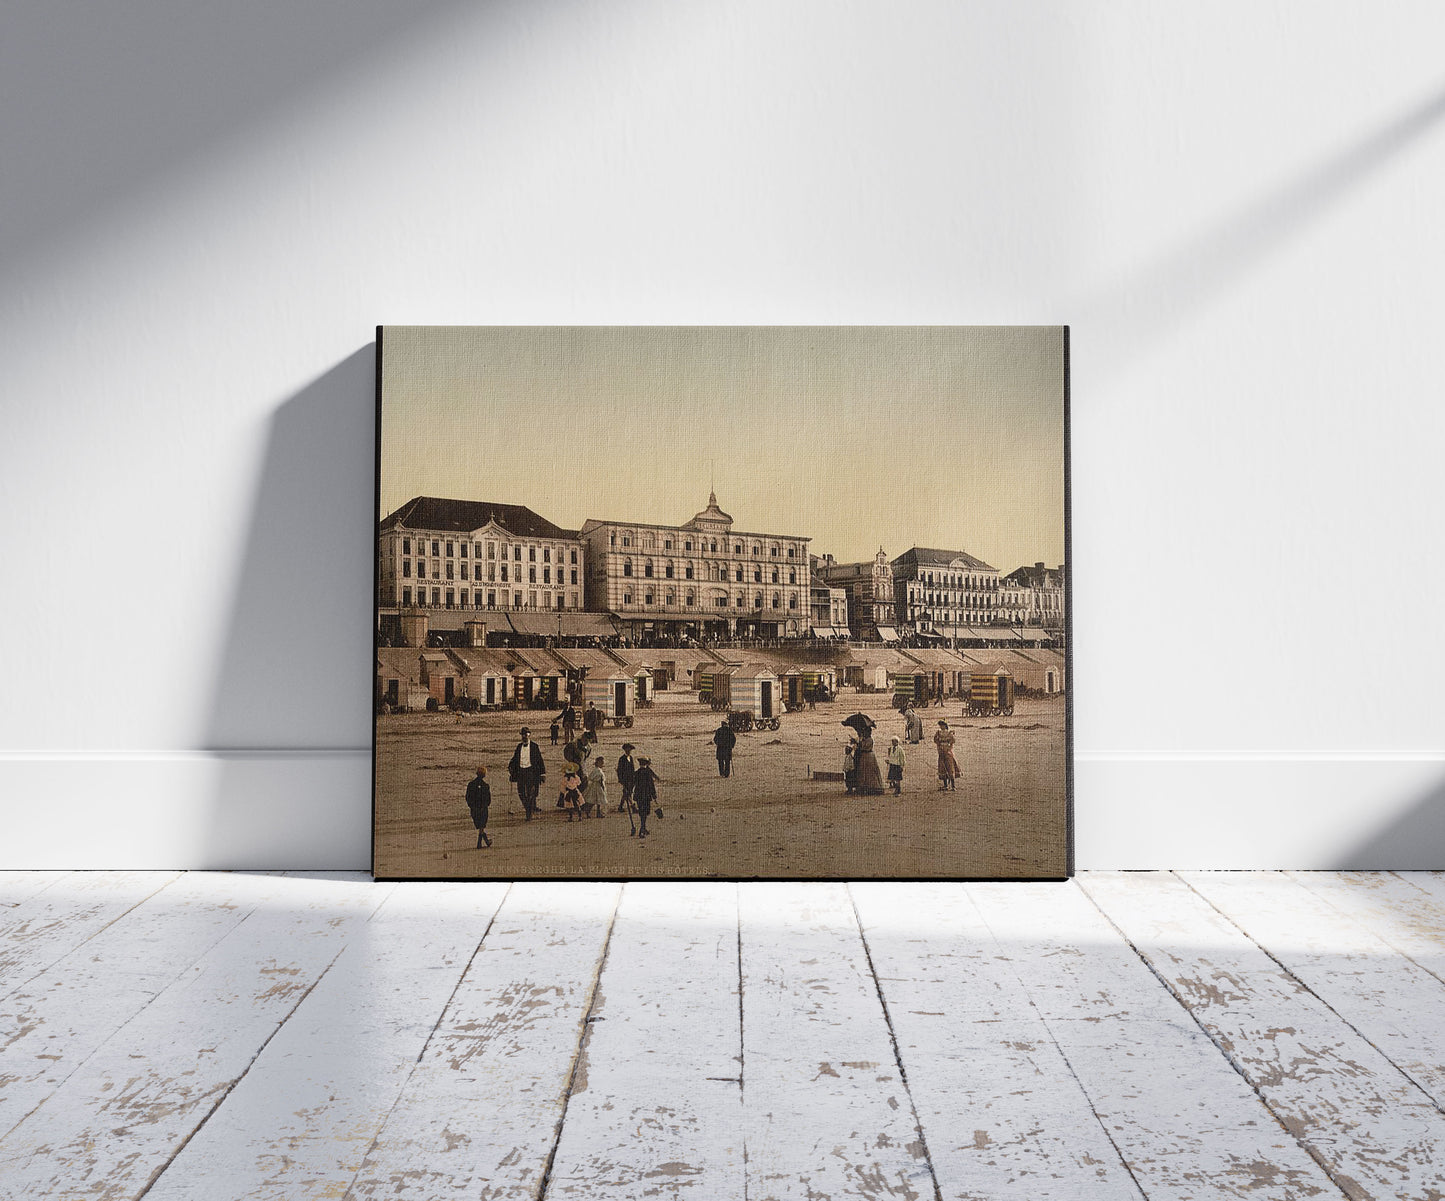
(463,516)
(1036,576)
(712,512)
(933,556)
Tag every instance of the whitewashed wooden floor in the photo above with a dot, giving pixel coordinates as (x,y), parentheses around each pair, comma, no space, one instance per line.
(1189,1035)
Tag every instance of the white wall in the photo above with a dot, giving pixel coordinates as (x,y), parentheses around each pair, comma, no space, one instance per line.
(206,207)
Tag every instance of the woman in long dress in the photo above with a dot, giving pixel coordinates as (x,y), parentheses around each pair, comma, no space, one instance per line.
(947,765)
(870,779)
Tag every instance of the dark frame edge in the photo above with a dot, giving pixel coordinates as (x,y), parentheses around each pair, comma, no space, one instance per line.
(375,591)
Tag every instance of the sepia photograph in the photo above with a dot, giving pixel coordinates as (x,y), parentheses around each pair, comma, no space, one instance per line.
(722,602)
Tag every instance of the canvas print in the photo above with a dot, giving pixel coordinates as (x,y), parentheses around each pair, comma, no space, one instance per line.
(725,602)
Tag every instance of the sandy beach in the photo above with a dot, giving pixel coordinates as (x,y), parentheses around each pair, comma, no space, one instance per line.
(768,820)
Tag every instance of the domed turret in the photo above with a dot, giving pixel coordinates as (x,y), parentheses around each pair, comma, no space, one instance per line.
(712,515)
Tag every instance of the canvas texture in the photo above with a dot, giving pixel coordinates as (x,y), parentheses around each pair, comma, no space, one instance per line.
(769,603)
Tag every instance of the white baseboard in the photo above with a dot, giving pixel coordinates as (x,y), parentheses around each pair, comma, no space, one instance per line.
(312,809)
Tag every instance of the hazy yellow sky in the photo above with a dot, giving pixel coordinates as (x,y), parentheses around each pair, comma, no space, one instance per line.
(858,437)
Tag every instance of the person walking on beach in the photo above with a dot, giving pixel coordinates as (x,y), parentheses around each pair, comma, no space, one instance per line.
(870,779)
(850,766)
(644,793)
(596,789)
(626,774)
(948,770)
(724,739)
(912,725)
(569,722)
(592,719)
(554,733)
(570,798)
(479,801)
(527,771)
(896,760)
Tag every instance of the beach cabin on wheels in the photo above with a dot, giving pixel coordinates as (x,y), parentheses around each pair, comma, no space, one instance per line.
(611,693)
(990,693)
(642,686)
(915,688)
(484,677)
(750,694)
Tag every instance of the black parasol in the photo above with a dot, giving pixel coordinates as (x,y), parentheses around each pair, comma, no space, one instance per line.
(860,722)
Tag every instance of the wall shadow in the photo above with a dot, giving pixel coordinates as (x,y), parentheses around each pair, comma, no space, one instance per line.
(290,713)
(1415,842)
(1147,305)
(106,100)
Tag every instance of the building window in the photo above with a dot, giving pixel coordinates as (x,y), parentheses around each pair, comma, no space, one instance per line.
(773,550)
(516,554)
(516,600)
(504,573)
(793,601)
(546,554)
(626,566)
(435,547)
(464,571)
(669,571)
(671,599)
(690,596)
(451,550)
(777,601)
(775,575)
(611,539)
(462,598)
(436,597)
(406,546)
(406,596)
(687,571)
(573,559)
(546,575)
(451,598)
(738,572)
(491,550)
(449,570)
(714,545)
(792,575)
(627,598)
(574,575)
(531,600)
(421,569)
(757,550)
(626,539)
(406,569)
(687,545)
(531,554)
(491,599)
(647,569)
(757,575)
(737,549)
(532,576)
(791,552)
(647,598)
(740,600)
(667,544)
(758,601)
(574,600)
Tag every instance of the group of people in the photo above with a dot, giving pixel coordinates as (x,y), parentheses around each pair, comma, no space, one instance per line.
(565,723)
(861,773)
(584,784)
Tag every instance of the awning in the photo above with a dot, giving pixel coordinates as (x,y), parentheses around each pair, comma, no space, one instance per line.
(887,634)
(587,625)
(534,625)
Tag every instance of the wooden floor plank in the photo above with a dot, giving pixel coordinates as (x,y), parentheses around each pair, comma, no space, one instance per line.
(1373,1129)
(1001,1113)
(480,1114)
(300,1123)
(16,887)
(1389,1000)
(656,1108)
(1186,1124)
(826,1111)
(1404,909)
(125,1113)
(50,1025)
(47,925)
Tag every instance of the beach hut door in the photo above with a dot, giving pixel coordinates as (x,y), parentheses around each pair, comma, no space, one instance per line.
(619,700)
(491,691)
(450,689)
(1050,684)
(767,698)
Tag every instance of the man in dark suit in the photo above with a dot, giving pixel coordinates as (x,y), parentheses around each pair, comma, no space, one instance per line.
(724,739)
(527,771)
(479,801)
